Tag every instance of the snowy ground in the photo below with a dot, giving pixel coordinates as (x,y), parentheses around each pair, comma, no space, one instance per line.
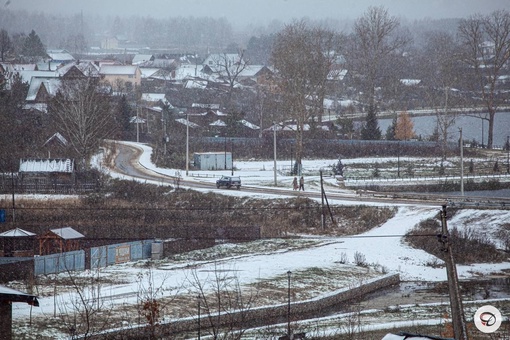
(383,248)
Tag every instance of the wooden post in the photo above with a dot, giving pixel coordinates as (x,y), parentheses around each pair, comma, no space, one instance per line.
(457,311)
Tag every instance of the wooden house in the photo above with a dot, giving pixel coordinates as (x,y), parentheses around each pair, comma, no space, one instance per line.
(59,240)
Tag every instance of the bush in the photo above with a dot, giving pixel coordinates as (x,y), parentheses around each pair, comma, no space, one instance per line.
(468,246)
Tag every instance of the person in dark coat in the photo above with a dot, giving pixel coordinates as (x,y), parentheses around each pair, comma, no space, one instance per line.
(294,184)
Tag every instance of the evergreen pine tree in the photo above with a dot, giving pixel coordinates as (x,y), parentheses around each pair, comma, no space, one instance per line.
(33,46)
(371,130)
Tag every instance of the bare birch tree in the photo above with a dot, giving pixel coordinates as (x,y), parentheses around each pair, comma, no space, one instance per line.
(82,113)
(376,38)
(486,42)
(228,67)
(442,72)
(302,57)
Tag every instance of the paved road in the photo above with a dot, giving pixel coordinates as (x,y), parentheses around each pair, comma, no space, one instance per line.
(127,163)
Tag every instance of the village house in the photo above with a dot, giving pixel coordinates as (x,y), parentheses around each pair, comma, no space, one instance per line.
(117,75)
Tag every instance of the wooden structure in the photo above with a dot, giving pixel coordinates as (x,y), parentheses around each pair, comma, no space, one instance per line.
(59,241)
(17,243)
(7,297)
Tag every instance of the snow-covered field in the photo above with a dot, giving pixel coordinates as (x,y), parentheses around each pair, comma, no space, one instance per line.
(382,247)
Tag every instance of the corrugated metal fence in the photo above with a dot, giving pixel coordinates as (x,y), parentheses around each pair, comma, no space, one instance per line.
(99,257)
(118,253)
(58,263)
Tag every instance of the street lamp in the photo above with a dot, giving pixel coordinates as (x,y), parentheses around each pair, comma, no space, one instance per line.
(232,155)
(461,164)
(398,159)
(288,303)
(274,152)
(187,144)
(508,154)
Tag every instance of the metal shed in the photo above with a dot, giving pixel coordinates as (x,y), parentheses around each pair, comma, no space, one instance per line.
(213,160)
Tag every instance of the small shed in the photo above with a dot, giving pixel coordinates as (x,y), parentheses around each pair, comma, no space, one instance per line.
(7,297)
(59,240)
(17,243)
(213,160)
(47,167)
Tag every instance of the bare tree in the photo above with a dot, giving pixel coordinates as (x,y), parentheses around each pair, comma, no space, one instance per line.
(302,57)
(83,114)
(84,311)
(441,72)
(228,67)
(376,38)
(224,303)
(486,42)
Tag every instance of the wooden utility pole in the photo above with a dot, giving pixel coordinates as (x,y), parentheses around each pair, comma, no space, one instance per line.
(457,310)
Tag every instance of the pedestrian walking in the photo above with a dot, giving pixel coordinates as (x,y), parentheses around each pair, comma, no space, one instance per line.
(294,184)
(301,184)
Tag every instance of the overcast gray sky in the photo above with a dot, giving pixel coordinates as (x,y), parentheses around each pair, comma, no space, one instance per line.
(248,11)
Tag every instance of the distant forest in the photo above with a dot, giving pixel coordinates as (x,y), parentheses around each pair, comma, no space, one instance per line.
(175,34)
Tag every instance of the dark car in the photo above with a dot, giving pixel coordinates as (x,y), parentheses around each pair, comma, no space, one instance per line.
(229,182)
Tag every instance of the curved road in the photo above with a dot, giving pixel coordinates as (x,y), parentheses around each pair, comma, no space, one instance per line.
(127,157)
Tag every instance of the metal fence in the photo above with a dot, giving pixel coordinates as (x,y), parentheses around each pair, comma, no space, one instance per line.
(119,253)
(58,263)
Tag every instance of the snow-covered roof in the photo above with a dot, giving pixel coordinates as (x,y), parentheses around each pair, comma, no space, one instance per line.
(56,136)
(195,84)
(67,233)
(12,295)
(148,71)
(137,120)
(249,125)
(47,165)
(118,70)
(26,76)
(186,71)
(187,122)
(218,122)
(88,68)
(48,65)
(141,58)
(60,56)
(51,84)
(410,82)
(250,70)
(206,106)
(16,232)
(155,97)
(42,107)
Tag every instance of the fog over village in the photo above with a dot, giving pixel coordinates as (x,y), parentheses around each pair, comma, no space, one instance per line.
(285,169)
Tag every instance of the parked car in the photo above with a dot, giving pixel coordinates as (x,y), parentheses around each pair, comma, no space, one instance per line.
(229,182)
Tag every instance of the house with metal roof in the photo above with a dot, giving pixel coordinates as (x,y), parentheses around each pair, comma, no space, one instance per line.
(114,74)
(59,240)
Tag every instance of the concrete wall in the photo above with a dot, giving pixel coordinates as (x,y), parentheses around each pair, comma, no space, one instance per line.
(267,315)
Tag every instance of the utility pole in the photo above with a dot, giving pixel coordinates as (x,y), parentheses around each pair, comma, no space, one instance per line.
(187,144)
(461,164)
(323,216)
(274,152)
(457,310)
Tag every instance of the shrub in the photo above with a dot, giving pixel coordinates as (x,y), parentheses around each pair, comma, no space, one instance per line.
(360,260)
(468,246)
